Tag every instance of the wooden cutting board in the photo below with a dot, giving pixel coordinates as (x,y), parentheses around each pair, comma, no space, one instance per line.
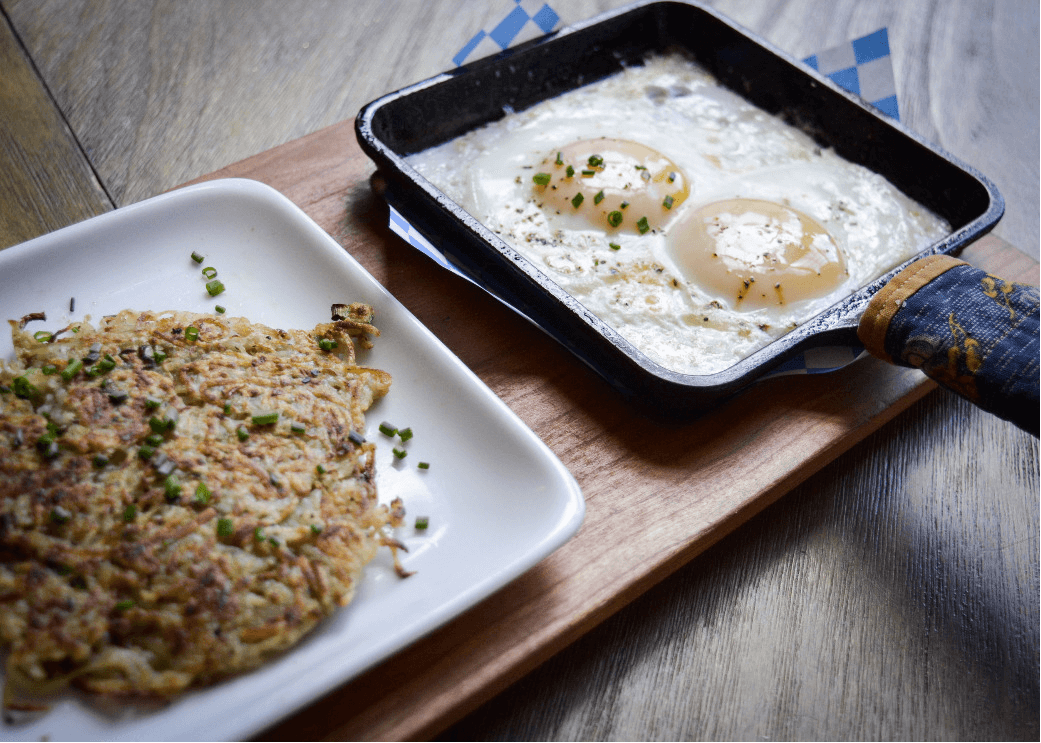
(656,494)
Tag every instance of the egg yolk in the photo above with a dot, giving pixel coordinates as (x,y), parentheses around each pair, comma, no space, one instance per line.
(756,254)
(614,184)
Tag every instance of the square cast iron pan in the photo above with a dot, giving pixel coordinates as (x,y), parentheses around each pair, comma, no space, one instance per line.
(446,106)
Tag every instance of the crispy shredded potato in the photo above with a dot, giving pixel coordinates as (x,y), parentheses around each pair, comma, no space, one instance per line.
(182,496)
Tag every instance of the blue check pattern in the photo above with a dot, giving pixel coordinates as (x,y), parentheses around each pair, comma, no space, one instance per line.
(862,66)
(526,20)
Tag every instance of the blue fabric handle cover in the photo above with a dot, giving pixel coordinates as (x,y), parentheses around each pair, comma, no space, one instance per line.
(972,332)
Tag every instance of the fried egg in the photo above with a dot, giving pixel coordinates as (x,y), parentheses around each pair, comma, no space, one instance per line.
(697,226)
(623,185)
(757,254)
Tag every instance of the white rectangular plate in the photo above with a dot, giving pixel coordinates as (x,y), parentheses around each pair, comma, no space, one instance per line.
(498,499)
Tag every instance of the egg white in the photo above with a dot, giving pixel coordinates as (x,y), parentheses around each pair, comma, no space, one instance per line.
(727,149)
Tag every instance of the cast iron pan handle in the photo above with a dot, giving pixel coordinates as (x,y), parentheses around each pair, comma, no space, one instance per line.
(972,332)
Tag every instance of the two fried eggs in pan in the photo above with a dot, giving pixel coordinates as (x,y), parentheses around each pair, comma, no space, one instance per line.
(696,225)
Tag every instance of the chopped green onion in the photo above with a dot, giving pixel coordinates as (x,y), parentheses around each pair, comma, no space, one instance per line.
(399,453)
(614,218)
(667,203)
(43,336)
(209,272)
(49,369)
(326,344)
(355,438)
(220,310)
(118,397)
(258,534)
(560,160)
(24,388)
(624,205)
(577,201)
(297,427)
(214,287)
(129,512)
(642,225)
(265,419)
(646,174)
(94,371)
(60,515)
(424,465)
(172,488)
(154,439)
(225,528)
(152,403)
(4,389)
(405,434)
(541,179)
(125,604)
(570,171)
(316,529)
(672,177)
(71,369)
(197,258)
(388,429)
(319,469)
(422,522)
(159,356)
(47,445)
(614,246)
(107,364)
(146,451)
(227,408)
(202,493)
(596,161)
(242,433)
(161,425)
(641,167)
(588,172)
(191,333)
(100,460)
(599,197)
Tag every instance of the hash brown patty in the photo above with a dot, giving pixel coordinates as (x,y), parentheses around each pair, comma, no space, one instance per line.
(181,496)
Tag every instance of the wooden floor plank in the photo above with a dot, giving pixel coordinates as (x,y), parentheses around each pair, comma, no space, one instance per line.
(45,181)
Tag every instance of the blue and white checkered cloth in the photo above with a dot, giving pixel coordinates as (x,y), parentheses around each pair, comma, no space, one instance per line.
(528,19)
(862,66)
(403,229)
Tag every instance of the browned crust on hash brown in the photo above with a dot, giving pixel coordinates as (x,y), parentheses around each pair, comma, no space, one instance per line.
(155,533)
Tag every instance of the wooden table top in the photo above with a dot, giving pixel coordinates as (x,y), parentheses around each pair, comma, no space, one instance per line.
(893,594)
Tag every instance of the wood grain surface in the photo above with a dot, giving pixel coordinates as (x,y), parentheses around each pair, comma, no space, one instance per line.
(45,180)
(891,595)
